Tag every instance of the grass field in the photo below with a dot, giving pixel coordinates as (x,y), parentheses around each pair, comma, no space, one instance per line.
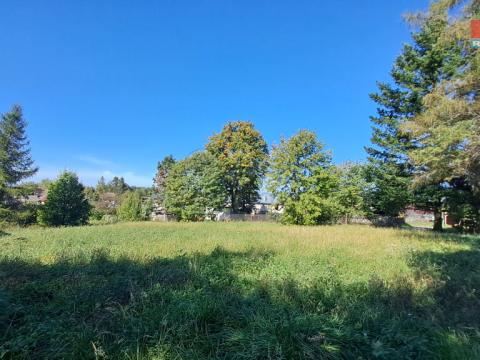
(238,291)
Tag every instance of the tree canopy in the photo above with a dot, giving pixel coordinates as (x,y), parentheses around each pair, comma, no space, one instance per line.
(241,155)
(66,202)
(16,162)
(194,187)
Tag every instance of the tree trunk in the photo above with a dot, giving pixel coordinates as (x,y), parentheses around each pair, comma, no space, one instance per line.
(437,220)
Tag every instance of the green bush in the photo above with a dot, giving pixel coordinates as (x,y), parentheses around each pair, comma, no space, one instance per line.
(467,218)
(66,203)
(95,214)
(311,209)
(131,207)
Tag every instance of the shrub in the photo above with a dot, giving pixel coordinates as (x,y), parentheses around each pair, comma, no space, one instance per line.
(131,207)
(311,210)
(95,214)
(66,203)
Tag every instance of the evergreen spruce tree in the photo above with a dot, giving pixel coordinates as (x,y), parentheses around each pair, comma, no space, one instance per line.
(66,202)
(16,162)
(416,72)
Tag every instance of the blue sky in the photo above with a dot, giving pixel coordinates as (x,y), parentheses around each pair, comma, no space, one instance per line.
(110,87)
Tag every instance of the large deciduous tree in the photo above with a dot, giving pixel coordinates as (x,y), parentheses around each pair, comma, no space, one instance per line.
(193,187)
(302,179)
(292,164)
(241,155)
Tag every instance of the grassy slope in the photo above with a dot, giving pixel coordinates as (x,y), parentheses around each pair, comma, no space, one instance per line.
(238,291)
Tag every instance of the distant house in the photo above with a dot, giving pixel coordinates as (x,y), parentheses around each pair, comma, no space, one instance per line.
(38,197)
(108,202)
(261,208)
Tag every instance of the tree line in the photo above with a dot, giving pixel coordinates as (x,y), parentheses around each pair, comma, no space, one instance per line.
(424,152)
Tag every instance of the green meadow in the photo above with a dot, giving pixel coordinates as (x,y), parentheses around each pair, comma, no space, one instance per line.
(238,291)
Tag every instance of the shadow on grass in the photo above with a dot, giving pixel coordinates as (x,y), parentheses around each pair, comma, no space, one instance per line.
(202,307)
(449,235)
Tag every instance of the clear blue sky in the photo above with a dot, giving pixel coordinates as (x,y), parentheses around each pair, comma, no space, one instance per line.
(110,87)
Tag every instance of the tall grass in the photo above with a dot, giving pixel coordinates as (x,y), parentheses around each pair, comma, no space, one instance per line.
(238,291)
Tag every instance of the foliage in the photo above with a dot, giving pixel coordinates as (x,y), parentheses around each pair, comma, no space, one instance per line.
(105,203)
(66,203)
(91,194)
(147,207)
(351,191)
(463,206)
(292,164)
(101,186)
(16,163)
(238,291)
(311,209)
(419,68)
(95,214)
(163,168)
(118,185)
(241,156)
(387,193)
(22,215)
(131,207)
(194,186)
(26,214)
(302,179)
(106,219)
(447,131)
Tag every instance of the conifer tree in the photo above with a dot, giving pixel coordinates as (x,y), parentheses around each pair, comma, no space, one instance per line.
(66,202)
(16,162)
(447,130)
(420,67)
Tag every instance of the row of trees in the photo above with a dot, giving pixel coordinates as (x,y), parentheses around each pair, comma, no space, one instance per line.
(425,151)
(298,172)
(228,173)
(425,145)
